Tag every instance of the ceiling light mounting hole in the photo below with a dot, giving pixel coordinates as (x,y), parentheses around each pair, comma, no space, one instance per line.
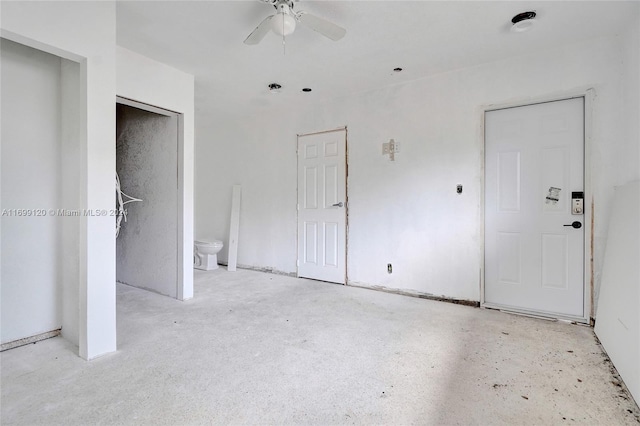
(306,89)
(398,69)
(275,87)
(523,22)
(523,16)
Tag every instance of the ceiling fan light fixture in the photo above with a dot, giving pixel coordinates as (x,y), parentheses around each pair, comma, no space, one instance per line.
(282,22)
(285,20)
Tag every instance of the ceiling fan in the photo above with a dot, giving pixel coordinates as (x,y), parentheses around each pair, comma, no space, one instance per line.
(284,22)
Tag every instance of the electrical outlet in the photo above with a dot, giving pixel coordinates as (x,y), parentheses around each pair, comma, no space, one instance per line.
(396,147)
(459,189)
(385,148)
(389,268)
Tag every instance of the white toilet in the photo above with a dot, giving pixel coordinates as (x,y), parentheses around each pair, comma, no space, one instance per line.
(205,255)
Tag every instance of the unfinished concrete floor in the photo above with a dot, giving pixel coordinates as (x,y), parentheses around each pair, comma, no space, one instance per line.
(255,348)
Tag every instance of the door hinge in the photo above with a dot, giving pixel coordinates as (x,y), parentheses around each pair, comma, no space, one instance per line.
(297,262)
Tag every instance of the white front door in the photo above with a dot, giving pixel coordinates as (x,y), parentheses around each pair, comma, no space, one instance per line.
(534,160)
(322,218)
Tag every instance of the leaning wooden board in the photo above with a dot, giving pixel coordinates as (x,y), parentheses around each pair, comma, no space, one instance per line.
(234,229)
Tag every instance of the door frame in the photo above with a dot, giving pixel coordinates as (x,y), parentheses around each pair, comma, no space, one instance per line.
(181,265)
(588,94)
(346,198)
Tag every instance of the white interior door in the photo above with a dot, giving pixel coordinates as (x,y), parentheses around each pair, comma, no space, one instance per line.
(534,160)
(322,206)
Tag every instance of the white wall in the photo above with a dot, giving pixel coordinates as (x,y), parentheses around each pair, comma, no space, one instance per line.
(407,212)
(85,33)
(70,155)
(145,80)
(629,152)
(147,163)
(618,323)
(31,280)
(234,150)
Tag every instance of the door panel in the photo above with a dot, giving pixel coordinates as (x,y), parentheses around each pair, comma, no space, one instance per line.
(555,271)
(509,258)
(310,187)
(509,181)
(534,159)
(321,221)
(331,244)
(331,185)
(310,243)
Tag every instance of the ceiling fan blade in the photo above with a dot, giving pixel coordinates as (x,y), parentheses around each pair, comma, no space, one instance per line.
(261,30)
(324,27)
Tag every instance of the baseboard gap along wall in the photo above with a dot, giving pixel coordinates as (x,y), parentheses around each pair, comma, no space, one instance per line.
(473,303)
(29,340)
(151,290)
(262,269)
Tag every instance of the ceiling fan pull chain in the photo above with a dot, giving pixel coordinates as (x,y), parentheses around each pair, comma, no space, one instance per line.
(284,45)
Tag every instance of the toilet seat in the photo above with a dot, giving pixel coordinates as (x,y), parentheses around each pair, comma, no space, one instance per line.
(214,243)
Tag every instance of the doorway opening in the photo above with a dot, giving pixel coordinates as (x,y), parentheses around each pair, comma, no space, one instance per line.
(148,246)
(40,196)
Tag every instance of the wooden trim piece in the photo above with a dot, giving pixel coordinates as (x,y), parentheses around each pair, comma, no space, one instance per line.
(234,228)
(323,131)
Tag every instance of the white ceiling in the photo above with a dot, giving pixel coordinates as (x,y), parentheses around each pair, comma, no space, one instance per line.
(205,38)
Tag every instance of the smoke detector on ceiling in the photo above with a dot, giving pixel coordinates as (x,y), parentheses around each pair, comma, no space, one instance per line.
(523,22)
